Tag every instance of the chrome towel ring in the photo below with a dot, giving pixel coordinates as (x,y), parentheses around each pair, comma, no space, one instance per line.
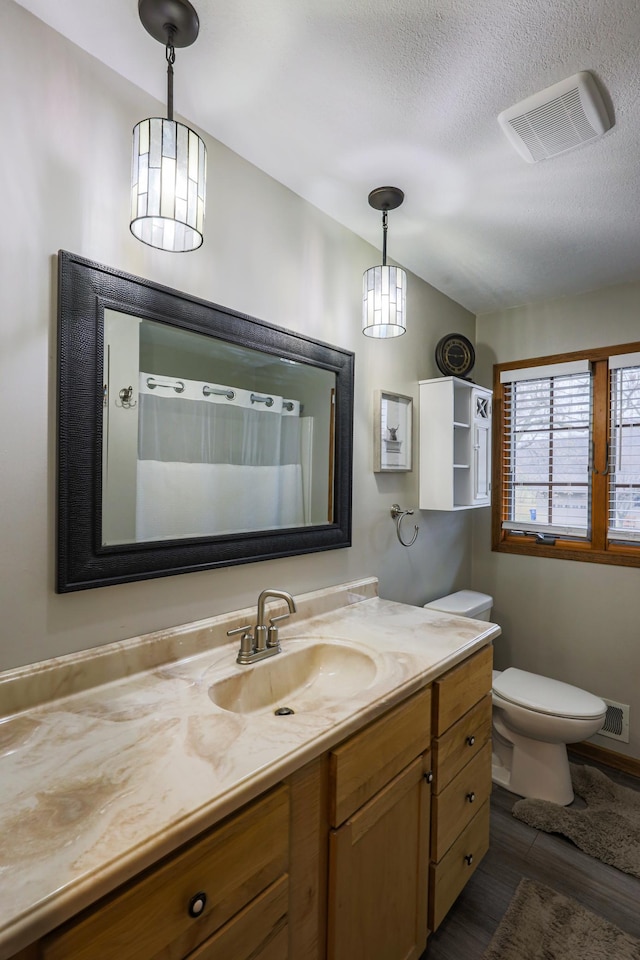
(398,515)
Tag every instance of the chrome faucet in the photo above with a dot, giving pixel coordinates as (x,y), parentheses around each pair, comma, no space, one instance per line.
(263,642)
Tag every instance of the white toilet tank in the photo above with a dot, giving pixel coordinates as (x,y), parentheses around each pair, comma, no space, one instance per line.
(464,603)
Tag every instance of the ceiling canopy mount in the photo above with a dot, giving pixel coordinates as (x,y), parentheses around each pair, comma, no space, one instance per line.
(386,198)
(174,20)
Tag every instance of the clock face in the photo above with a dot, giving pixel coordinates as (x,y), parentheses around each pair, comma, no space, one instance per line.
(455,355)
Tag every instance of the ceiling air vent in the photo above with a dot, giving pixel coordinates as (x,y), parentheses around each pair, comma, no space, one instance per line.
(557,119)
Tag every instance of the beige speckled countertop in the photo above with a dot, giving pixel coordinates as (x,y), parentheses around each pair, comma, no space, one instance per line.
(112,758)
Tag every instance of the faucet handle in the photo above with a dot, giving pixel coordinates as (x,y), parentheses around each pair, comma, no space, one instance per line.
(272,633)
(246,629)
(246,642)
(283,616)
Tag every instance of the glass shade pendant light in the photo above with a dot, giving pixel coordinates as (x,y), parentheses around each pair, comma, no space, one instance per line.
(384,288)
(169,170)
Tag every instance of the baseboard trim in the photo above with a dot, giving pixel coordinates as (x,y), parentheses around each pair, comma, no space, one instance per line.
(619,761)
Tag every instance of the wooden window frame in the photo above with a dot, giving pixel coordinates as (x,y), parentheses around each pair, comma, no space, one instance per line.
(598,549)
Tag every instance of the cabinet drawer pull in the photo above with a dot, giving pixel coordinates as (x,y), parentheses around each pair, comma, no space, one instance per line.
(471,740)
(197,904)
(429,776)
(471,797)
(469,859)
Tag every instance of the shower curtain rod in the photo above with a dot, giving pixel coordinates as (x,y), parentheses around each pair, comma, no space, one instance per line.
(208,390)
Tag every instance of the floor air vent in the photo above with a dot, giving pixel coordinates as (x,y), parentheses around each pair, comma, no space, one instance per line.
(616,721)
(557,119)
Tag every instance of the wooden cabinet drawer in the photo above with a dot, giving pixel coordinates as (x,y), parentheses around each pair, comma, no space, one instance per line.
(461,743)
(456,692)
(448,878)
(362,765)
(232,864)
(259,932)
(452,809)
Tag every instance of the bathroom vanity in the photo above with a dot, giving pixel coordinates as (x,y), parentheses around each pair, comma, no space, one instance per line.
(140,818)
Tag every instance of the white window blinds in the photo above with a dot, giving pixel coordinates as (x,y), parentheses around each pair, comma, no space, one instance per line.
(547,449)
(624,448)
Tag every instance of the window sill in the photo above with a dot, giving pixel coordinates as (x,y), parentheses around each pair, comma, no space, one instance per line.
(565,550)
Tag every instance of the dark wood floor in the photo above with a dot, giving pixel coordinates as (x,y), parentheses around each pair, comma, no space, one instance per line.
(518,851)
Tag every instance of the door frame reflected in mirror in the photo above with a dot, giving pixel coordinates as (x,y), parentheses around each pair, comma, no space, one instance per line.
(86,289)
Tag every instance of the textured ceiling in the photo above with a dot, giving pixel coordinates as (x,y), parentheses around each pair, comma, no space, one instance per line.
(335,98)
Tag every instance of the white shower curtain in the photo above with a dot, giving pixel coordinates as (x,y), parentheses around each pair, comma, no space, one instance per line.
(209,465)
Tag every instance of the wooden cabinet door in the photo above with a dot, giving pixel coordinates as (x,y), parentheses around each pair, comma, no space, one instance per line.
(368,760)
(378,873)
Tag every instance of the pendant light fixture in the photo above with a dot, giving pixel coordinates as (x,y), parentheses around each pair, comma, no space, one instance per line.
(168,177)
(384,288)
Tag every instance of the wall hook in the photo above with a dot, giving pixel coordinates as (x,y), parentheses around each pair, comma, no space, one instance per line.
(398,515)
(126,395)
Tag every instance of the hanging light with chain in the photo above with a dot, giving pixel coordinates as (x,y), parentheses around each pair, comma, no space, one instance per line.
(384,288)
(168,180)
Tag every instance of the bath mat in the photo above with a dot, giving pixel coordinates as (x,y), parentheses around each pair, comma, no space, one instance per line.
(608,828)
(541,924)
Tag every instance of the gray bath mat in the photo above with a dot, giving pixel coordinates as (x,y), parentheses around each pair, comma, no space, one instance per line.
(608,828)
(541,924)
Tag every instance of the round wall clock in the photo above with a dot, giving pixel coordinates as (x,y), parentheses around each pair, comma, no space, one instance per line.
(455,355)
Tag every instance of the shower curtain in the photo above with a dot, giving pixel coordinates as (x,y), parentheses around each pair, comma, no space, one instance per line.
(215,460)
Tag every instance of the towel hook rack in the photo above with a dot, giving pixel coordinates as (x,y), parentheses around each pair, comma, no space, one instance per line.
(398,515)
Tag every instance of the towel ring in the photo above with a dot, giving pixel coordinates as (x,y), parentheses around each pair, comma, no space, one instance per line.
(398,515)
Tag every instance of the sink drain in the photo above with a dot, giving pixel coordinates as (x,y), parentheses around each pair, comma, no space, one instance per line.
(283,711)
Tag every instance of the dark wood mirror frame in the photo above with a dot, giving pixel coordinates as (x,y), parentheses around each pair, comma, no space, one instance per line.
(85,290)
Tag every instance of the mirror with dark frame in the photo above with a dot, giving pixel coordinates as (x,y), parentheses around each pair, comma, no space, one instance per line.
(191,436)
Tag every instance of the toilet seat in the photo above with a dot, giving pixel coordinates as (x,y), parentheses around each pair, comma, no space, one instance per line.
(543,695)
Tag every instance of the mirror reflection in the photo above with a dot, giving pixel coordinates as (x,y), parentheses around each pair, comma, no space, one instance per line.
(202,437)
(191,436)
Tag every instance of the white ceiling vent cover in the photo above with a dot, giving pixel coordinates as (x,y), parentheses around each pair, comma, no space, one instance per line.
(557,119)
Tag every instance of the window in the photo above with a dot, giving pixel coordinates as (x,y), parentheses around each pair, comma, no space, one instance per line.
(567,464)
(624,448)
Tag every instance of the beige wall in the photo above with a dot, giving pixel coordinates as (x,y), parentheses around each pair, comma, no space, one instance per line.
(65,172)
(577,622)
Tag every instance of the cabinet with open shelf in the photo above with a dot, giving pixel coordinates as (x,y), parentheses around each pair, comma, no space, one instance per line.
(455,444)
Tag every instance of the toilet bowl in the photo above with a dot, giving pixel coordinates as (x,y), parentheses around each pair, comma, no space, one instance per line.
(534,718)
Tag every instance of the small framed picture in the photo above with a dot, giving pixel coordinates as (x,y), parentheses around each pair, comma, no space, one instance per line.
(392,433)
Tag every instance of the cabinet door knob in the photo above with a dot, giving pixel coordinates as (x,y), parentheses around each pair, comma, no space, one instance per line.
(469,859)
(471,740)
(429,776)
(471,797)
(197,904)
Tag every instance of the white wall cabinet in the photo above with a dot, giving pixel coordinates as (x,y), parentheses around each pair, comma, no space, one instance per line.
(455,444)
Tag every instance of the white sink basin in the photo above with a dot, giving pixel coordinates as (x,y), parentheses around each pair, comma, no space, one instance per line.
(306,675)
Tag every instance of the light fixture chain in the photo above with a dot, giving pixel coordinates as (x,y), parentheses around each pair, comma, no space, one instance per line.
(171,59)
(384,238)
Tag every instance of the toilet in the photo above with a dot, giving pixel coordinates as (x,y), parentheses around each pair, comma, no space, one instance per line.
(534,718)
